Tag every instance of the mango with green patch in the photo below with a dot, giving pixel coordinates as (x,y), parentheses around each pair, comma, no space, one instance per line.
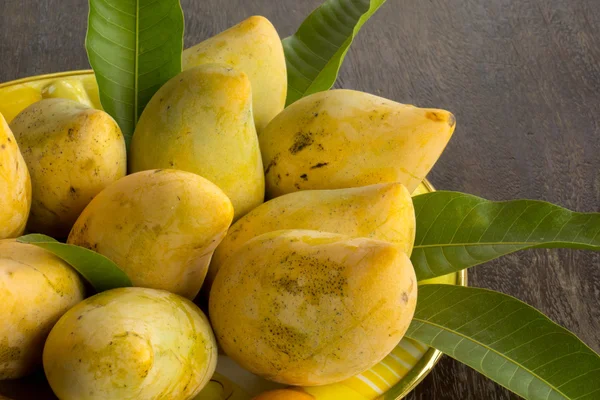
(311,308)
(201,121)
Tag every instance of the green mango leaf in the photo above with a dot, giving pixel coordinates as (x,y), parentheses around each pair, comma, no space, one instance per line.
(101,272)
(134,46)
(457,230)
(315,53)
(508,341)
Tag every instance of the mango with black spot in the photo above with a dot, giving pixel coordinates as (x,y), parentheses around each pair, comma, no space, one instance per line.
(36,289)
(345,138)
(73,152)
(131,343)
(311,308)
(15,185)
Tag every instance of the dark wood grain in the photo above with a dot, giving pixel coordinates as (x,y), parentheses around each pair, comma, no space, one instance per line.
(522,77)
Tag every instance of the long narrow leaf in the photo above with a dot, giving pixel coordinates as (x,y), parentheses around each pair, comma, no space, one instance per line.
(134,46)
(101,272)
(457,231)
(315,53)
(508,341)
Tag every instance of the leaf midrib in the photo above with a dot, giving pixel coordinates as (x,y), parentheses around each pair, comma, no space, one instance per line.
(443,328)
(136,62)
(472,244)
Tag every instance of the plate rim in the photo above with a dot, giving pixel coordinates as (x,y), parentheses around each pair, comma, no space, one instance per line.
(52,75)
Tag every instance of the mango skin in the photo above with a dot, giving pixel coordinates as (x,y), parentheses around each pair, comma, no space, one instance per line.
(344,138)
(160,226)
(72,152)
(384,212)
(15,185)
(72,89)
(36,289)
(131,343)
(254,47)
(280,304)
(201,121)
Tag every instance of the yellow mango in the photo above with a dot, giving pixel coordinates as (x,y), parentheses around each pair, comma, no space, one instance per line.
(72,89)
(72,152)
(254,47)
(160,226)
(129,344)
(36,289)
(344,138)
(383,212)
(15,185)
(201,121)
(311,308)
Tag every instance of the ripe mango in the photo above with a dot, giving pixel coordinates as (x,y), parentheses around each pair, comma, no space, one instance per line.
(15,185)
(129,344)
(344,138)
(384,211)
(72,152)
(201,121)
(72,89)
(311,308)
(254,47)
(36,289)
(160,226)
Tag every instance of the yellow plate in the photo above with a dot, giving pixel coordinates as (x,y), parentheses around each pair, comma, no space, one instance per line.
(391,379)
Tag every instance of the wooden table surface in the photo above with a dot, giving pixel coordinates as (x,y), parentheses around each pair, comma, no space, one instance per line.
(522,77)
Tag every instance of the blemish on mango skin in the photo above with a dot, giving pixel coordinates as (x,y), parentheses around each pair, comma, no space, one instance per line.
(432,115)
(405,297)
(8,356)
(272,164)
(319,165)
(437,117)
(301,141)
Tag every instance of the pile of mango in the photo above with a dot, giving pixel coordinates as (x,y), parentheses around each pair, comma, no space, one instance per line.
(309,288)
